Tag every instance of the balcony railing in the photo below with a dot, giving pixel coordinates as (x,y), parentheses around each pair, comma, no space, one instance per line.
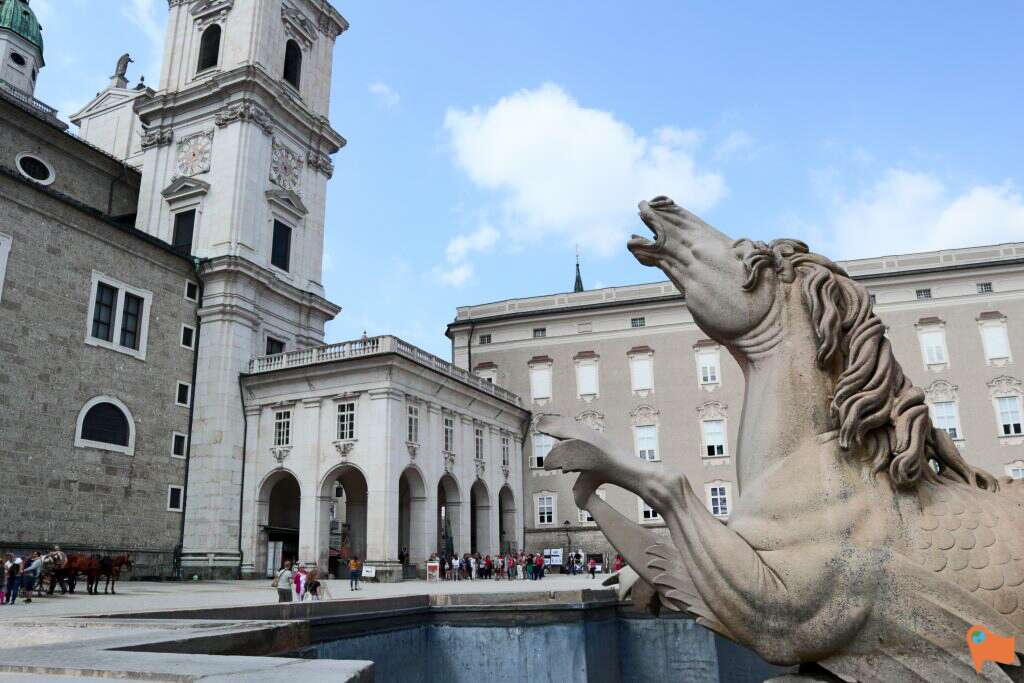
(373,346)
(27,100)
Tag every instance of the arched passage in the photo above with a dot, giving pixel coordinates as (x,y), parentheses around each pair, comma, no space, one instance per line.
(278,507)
(507,536)
(480,519)
(343,496)
(412,516)
(449,503)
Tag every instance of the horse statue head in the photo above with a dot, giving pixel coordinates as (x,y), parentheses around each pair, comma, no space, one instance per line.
(753,297)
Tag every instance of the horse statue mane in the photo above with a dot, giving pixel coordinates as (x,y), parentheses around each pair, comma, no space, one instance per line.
(881,416)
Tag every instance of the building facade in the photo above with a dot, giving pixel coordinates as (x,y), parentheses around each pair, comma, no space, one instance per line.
(630,362)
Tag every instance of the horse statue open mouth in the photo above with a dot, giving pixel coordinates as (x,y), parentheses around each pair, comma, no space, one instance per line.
(862,543)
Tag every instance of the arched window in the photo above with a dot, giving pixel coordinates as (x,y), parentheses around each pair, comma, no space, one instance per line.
(209,48)
(293,63)
(105,423)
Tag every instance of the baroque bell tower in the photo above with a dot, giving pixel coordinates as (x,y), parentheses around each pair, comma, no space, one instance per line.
(236,155)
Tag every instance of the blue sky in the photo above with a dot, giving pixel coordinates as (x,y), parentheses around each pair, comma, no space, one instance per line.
(486,140)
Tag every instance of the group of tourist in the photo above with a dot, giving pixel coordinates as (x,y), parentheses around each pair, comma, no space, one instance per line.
(471,566)
(20,576)
(299,584)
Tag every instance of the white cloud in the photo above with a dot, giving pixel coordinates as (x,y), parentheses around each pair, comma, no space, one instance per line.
(907,212)
(456,275)
(148,17)
(734,143)
(567,171)
(460,248)
(388,97)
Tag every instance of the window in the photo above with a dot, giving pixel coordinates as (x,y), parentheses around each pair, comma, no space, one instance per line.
(175,499)
(872,299)
(984,288)
(995,340)
(413,432)
(283,428)
(274,346)
(540,332)
(1015,471)
(18,59)
(714,437)
(542,445)
(718,500)
(183,396)
(179,444)
(281,251)
(944,415)
(35,169)
(641,371)
(119,317)
(485,339)
(105,423)
(586,378)
(478,438)
(5,250)
(647,513)
(540,382)
(647,442)
(545,505)
(293,63)
(191,291)
(188,336)
(209,48)
(506,451)
(184,227)
(922,294)
(707,362)
(449,435)
(346,420)
(638,322)
(933,346)
(585,517)
(1009,415)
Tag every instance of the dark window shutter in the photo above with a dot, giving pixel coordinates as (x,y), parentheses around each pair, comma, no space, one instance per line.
(107,424)
(280,255)
(184,226)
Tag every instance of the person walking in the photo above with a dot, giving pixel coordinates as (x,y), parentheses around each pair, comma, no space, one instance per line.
(355,572)
(12,579)
(313,585)
(30,575)
(592,566)
(619,563)
(283,583)
(538,567)
(300,583)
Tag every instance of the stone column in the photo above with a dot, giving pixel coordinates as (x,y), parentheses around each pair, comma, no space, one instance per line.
(304,459)
(382,475)
(252,514)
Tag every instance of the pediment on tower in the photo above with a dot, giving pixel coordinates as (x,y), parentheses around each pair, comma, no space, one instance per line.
(108,99)
(289,201)
(185,188)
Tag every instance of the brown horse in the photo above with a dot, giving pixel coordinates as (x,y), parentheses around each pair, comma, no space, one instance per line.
(111,568)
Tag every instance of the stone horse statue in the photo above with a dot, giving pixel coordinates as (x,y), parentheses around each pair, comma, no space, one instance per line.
(863,546)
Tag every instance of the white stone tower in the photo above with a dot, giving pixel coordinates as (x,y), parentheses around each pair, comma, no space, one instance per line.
(236,149)
(21,46)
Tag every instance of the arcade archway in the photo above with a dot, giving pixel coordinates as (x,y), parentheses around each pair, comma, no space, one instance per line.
(480,519)
(507,536)
(412,516)
(344,497)
(279,504)
(449,506)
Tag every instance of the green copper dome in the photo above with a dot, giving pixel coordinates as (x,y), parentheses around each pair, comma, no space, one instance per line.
(17,16)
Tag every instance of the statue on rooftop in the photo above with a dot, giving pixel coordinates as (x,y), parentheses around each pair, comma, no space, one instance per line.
(120,78)
(863,546)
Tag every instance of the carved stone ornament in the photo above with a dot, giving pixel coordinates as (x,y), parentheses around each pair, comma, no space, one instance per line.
(506,471)
(206,12)
(481,467)
(592,419)
(280,453)
(284,166)
(449,461)
(297,25)
(245,110)
(941,390)
(156,137)
(712,410)
(329,27)
(1005,386)
(344,447)
(194,154)
(321,162)
(413,449)
(644,415)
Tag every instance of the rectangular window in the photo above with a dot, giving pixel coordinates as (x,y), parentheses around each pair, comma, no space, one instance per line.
(184,226)
(540,382)
(585,517)
(540,332)
(1016,472)
(506,451)
(274,346)
(542,445)
(708,362)
(647,442)
(346,420)
(103,312)
(478,438)
(638,322)
(281,250)
(1009,415)
(933,346)
(188,336)
(283,428)
(183,396)
(586,379)
(545,509)
(718,501)
(175,499)
(714,437)
(449,435)
(130,321)
(872,299)
(996,341)
(642,372)
(179,444)
(191,291)
(413,433)
(647,513)
(923,294)
(984,288)
(945,417)
(485,339)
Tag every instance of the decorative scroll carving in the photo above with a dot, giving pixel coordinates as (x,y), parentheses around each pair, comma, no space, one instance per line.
(449,461)
(245,110)
(712,410)
(321,162)
(1005,386)
(413,449)
(592,419)
(297,25)
(644,415)
(280,453)
(156,137)
(206,12)
(344,447)
(481,467)
(941,390)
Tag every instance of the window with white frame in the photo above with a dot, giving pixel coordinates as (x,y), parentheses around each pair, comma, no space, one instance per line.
(585,517)
(641,372)
(449,435)
(179,445)
(1015,471)
(506,451)
(105,423)
(540,381)
(346,420)
(995,340)
(488,373)
(283,428)
(188,336)
(540,332)
(586,378)
(544,505)
(183,395)
(639,321)
(718,499)
(647,513)
(5,251)
(478,441)
(714,437)
(413,432)
(647,442)
(708,366)
(944,415)
(922,294)
(175,499)
(191,291)
(933,346)
(542,445)
(118,316)
(485,339)
(984,288)
(1009,415)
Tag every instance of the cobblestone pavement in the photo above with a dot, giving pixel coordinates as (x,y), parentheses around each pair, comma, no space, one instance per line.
(137,596)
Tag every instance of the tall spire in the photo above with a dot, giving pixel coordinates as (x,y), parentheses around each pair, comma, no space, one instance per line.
(578,287)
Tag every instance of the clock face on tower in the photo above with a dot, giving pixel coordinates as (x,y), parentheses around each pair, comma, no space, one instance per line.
(194,154)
